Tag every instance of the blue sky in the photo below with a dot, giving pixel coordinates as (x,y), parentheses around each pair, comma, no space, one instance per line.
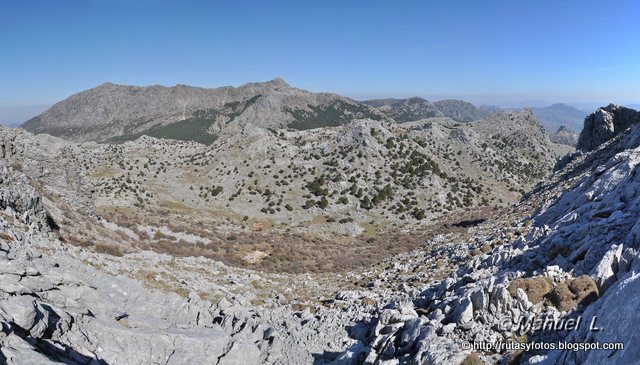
(483,51)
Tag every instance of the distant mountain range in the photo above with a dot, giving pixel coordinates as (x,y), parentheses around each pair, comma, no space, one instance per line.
(115,113)
(118,113)
(12,125)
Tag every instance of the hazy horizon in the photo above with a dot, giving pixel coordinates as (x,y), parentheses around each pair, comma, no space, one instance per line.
(15,115)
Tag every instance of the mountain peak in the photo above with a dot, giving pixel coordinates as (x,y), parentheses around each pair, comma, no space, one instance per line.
(278,82)
(106,85)
(416,99)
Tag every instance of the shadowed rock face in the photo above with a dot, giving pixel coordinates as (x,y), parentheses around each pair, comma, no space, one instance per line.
(604,124)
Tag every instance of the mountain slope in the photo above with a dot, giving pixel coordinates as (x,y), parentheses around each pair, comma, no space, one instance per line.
(119,112)
(63,304)
(343,180)
(111,247)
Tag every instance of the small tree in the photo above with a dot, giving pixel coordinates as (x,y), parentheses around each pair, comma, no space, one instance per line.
(323,203)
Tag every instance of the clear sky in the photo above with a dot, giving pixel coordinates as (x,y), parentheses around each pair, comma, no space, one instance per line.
(484,51)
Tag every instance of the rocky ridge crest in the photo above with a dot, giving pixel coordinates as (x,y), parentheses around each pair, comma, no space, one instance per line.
(112,112)
(604,124)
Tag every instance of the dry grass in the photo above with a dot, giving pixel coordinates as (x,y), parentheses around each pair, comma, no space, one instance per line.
(294,253)
(282,252)
(156,281)
(568,295)
(536,288)
(109,249)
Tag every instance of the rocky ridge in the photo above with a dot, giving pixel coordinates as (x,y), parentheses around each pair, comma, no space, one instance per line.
(115,113)
(604,124)
(462,111)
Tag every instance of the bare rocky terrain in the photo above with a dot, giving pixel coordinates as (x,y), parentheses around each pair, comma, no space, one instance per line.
(362,241)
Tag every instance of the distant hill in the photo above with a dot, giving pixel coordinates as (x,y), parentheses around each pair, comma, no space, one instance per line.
(554,116)
(492,108)
(120,112)
(406,110)
(564,135)
(9,124)
(412,109)
(462,111)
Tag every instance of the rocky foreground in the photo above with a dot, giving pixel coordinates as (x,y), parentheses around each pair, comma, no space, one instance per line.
(568,248)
